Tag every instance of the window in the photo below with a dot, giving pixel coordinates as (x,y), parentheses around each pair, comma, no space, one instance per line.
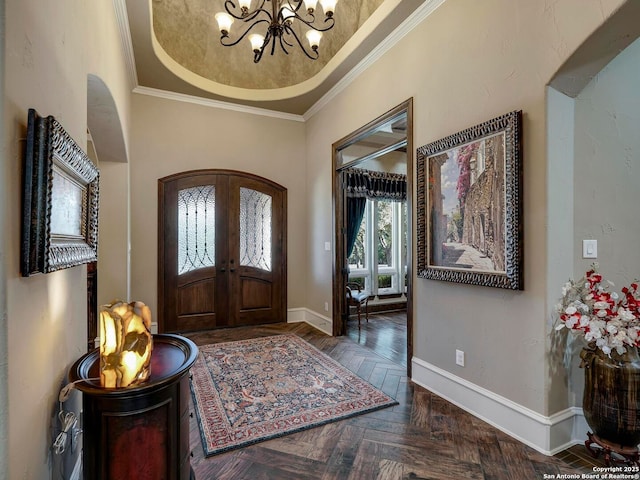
(378,260)
(196,228)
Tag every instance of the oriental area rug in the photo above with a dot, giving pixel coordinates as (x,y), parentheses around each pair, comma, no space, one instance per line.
(249,391)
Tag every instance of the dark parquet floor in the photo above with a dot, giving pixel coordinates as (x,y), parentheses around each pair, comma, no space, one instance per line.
(385,333)
(424,437)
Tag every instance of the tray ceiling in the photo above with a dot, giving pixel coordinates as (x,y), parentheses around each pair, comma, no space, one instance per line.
(176,48)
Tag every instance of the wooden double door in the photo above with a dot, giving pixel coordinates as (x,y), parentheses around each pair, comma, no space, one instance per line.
(222,251)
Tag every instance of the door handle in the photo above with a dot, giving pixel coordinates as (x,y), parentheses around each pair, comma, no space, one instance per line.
(232,269)
(222,270)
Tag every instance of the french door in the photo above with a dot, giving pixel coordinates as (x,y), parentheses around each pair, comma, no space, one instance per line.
(221,252)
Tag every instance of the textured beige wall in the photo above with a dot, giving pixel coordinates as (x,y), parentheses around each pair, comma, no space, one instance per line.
(559,232)
(466,63)
(170,137)
(113,247)
(607,169)
(5,174)
(50,49)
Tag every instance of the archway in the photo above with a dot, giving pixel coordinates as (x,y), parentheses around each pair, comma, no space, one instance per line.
(570,178)
(106,146)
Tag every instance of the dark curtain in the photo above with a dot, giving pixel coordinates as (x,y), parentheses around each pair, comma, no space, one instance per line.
(355,212)
(362,184)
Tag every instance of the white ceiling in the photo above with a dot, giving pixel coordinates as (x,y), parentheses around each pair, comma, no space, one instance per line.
(174,50)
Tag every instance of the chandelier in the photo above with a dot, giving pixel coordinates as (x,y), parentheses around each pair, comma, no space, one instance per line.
(281,20)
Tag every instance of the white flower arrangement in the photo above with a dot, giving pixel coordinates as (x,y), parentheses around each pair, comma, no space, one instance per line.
(603,318)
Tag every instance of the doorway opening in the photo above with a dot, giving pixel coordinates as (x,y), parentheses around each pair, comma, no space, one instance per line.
(373,197)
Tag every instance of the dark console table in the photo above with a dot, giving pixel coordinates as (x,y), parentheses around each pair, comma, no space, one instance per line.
(139,432)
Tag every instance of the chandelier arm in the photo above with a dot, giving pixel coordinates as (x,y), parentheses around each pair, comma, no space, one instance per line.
(249,15)
(289,31)
(310,24)
(284,42)
(257,54)
(273,45)
(293,8)
(246,32)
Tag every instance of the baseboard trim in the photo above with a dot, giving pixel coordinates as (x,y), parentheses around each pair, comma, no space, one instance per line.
(322,323)
(580,427)
(547,435)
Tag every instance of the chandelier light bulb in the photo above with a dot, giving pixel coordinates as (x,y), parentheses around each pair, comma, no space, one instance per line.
(224,22)
(287,13)
(257,41)
(314,39)
(310,5)
(329,6)
(244,5)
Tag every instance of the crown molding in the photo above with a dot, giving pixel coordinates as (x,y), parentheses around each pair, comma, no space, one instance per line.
(422,12)
(181,97)
(120,9)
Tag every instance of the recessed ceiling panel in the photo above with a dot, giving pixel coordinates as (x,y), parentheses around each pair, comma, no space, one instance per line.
(176,47)
(187,31)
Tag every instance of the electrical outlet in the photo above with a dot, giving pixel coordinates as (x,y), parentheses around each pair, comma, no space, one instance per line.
(460,358)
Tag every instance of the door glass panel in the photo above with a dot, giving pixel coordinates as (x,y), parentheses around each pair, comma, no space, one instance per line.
(196,228)
(255,229)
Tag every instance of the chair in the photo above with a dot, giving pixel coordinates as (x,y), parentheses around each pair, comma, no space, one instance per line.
(357,298)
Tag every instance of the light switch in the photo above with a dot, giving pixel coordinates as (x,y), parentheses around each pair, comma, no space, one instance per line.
(327,246)
(589,249)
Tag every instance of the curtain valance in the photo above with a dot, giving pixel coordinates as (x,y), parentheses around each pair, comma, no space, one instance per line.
(360,183)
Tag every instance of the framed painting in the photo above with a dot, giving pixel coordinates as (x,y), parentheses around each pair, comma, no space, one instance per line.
(470,205)
(60,200)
